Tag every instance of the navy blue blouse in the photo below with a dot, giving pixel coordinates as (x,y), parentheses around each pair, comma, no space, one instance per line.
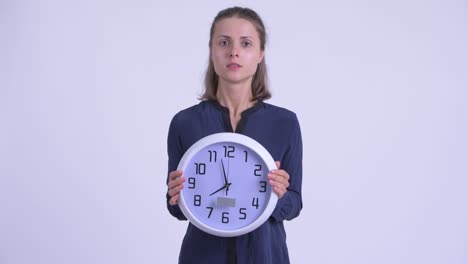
(277,129)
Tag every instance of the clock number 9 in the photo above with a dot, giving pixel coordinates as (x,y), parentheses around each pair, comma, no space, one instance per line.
(200,168)
(197,200)
(228,150)
(257,171)
(191,182)
(225,218)
(263,186)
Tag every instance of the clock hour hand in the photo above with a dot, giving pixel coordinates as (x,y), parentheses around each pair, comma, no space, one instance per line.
(222,188)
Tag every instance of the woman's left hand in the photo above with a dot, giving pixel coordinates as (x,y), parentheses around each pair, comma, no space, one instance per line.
(279,180)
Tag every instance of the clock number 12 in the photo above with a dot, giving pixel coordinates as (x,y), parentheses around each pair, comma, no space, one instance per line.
(228,151)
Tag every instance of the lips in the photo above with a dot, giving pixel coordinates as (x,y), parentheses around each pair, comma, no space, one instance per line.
(233,66)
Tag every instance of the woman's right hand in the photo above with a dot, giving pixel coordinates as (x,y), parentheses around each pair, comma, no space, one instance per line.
(175,185)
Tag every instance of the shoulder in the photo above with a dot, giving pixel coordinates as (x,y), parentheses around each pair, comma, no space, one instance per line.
(191,112)
(280,113)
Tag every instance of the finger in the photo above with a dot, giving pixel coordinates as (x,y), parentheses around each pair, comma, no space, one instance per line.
(277,164)
(174,199)
(279,183)
(177,181)
(279,176)
(175,174)
(280,173)
(280,192)
(176,190)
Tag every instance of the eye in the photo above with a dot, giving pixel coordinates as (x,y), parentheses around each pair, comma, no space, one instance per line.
(223,43)
(246,44)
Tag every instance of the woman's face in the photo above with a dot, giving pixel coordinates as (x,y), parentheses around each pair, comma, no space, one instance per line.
(235,50)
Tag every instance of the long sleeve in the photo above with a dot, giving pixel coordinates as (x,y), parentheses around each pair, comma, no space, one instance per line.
(290,205)
(175,153)
(277,129)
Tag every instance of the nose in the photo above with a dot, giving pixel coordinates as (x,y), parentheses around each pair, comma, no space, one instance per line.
(234,52)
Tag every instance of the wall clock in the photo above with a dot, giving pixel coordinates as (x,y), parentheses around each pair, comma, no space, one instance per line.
(226,192)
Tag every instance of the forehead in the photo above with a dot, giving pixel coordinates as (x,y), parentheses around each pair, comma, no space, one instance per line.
(235,27)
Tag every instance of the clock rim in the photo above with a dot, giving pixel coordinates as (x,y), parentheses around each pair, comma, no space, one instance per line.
(239,139)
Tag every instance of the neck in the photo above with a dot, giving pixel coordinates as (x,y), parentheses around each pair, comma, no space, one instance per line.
(236,97)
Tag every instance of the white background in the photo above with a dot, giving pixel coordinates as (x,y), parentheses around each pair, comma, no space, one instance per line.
(88,88)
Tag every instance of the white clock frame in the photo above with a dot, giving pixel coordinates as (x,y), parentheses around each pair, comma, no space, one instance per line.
(242,140)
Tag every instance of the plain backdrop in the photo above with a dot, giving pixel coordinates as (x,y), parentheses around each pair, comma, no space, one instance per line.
(88,88)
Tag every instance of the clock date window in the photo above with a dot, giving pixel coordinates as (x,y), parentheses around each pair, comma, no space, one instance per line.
(224,201)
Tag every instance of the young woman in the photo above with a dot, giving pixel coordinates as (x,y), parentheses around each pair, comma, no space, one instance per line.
(233,101)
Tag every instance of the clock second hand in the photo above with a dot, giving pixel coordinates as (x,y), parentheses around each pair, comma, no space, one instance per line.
(227,184)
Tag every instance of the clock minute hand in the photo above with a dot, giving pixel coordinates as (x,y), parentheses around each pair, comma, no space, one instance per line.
(224,173)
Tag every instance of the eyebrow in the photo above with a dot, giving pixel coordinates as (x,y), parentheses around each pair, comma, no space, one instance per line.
(228,37)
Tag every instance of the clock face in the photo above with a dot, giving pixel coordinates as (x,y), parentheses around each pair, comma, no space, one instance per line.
(226,192)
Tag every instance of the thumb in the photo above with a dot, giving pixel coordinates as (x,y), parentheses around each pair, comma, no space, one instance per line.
(277,164)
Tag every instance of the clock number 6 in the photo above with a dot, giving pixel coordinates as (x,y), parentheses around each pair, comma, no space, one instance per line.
(225,218)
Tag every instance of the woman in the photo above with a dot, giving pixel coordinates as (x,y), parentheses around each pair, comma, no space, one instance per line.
(235,88)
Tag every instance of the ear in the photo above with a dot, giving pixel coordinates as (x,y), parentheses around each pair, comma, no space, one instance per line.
(262,54)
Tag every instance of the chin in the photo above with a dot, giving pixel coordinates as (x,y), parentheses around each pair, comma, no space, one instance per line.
(236,79)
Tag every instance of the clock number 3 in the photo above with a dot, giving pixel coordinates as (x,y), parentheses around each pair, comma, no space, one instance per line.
(263,186)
